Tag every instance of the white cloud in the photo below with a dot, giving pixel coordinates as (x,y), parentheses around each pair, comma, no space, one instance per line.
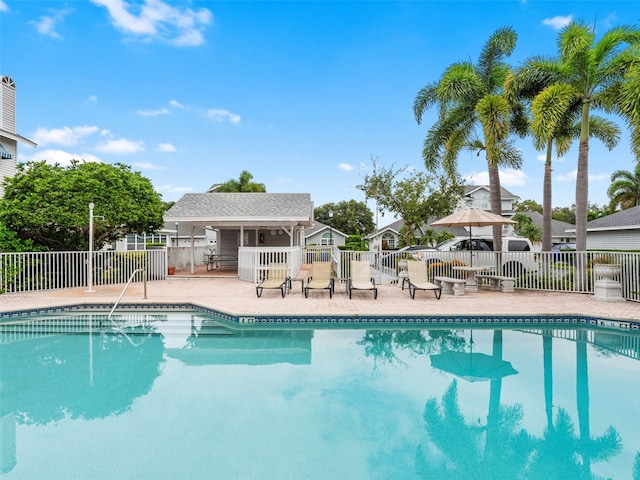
(46,24)
(92,99)
(573,174)
(166,147)
(61,157)
(558,22)
(153,113)
(345,166)
(67,136)
(220,115)
(508,178)
(147,166)
(157,20)
(173,189)
(175,103)
(120,145)
(3,7)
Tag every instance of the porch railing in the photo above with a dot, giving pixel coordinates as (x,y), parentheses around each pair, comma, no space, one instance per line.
(253,262)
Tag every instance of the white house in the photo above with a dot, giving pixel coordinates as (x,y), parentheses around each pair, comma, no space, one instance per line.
(321,234)
(9,139)
(389,238)
(618,231)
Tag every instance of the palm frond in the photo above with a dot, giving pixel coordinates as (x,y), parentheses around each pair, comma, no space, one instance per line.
(549,108)
(425,99)
(499,45)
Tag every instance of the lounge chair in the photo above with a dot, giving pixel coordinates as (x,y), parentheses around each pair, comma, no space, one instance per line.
(419,279)
(360,278)
(320,278)
(277,277)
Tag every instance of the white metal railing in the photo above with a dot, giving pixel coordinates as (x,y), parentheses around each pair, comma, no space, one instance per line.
(253,262)
(33,271)
(144,279)
(549,271)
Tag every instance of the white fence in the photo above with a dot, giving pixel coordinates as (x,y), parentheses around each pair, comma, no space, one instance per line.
(24,272)
(253,262)
(550,271)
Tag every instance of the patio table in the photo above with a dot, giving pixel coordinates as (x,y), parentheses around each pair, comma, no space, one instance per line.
(472,282)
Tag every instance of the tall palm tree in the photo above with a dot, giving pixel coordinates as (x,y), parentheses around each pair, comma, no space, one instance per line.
(529,80)
(243,184)
(600,75)
(472,114)
(625,188)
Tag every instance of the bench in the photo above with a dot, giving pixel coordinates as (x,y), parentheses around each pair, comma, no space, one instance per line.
(499,282)
(450,285)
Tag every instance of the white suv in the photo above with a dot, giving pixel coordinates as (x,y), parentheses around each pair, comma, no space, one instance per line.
(516,259)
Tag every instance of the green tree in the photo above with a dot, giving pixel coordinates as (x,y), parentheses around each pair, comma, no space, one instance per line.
(243,184)
(527,206)
(564,214)
(49,204)
(9,242)
(599,74)
(350,217)
(413,196)
(624,190)
(526,228)
(469,99)
(525,84)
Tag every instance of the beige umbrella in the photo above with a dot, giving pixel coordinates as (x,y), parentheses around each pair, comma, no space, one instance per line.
(471,217)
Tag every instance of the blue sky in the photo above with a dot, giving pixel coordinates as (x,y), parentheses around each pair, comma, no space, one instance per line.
(302,94)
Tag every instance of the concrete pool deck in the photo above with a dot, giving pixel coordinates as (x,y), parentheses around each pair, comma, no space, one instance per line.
(237,297)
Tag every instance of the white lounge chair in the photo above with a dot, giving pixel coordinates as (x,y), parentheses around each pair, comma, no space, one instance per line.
(419,279)
(361,279)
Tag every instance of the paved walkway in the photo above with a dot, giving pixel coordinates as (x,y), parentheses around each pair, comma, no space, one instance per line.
(239,298)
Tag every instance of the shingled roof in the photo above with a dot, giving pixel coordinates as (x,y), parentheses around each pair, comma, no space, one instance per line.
(622,220)
(247,209)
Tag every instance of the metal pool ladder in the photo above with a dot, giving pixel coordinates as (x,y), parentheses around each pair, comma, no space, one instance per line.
(127,285)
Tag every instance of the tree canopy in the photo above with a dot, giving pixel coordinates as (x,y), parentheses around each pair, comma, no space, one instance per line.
(244,183)
(350,217)
(49,204)
(413,196)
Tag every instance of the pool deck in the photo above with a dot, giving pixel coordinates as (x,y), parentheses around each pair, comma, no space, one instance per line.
(237,297)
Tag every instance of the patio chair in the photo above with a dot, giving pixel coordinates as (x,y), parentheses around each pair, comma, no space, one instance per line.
(277,277)
(360,278)
(419,279)
(320,278)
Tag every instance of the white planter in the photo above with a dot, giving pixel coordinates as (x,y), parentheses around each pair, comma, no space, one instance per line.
(607,286)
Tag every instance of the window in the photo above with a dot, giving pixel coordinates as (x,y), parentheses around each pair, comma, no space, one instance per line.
(327,239)
(388,241)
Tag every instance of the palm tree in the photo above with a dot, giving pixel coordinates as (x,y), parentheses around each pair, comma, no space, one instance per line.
(469,100)
(625,188)
(600,75)
(243,184)
(528,81)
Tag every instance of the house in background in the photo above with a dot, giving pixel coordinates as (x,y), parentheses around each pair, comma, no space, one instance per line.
(9,139)
(561,232)
(478,196)
(618,231)
(321,234)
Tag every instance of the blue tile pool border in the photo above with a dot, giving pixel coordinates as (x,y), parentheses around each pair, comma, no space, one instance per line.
(333,321)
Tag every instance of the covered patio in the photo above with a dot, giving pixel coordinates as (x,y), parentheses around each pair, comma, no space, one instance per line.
(253,230)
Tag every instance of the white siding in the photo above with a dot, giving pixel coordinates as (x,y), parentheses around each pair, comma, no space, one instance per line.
(614,240)
(8,105)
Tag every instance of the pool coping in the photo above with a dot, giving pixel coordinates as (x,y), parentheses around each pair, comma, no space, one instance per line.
(319,321)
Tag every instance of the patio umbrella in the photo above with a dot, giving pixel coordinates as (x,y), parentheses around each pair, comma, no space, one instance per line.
(472,367)
(471,217)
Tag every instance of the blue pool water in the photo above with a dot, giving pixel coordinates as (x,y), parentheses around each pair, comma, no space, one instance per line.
(181,395)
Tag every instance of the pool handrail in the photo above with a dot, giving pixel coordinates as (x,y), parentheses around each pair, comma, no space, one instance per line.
(127,285)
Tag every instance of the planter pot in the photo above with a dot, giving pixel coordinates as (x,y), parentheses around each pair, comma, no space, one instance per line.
(171,270)
(607,286)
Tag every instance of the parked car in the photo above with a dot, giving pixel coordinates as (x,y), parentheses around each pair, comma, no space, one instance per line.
(515,260)
(413,251)
(558,248)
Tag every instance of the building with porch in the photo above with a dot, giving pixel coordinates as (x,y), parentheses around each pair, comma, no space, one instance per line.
(251,229)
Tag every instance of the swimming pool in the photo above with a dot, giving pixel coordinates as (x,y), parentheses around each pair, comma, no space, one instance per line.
(172,395)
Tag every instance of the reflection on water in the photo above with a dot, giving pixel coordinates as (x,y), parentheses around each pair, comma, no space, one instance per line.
(161,394)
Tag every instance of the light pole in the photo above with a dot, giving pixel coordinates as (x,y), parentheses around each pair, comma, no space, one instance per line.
(90,259)
(330,227)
